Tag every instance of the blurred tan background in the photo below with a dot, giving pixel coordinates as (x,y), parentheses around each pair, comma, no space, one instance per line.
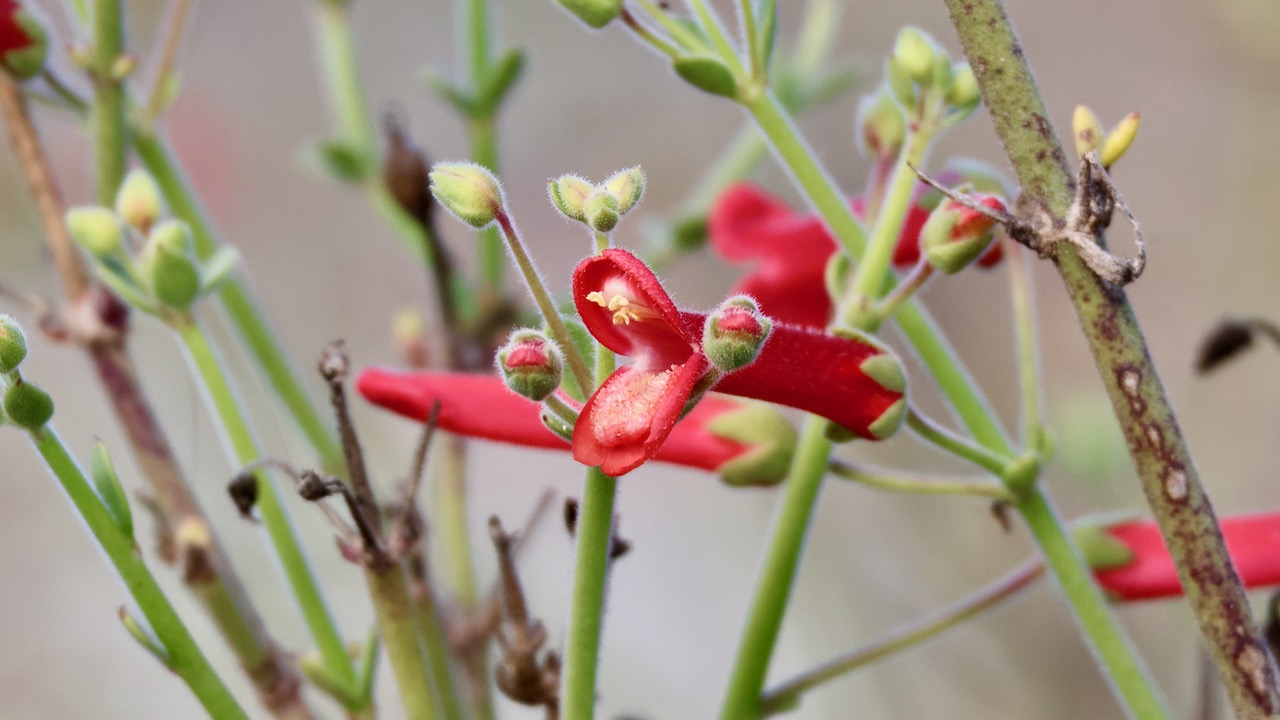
(1201,178)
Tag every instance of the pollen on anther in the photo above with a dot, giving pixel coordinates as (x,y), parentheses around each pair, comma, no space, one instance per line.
(619,305)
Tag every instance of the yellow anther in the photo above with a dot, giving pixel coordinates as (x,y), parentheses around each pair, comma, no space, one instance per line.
(619,305)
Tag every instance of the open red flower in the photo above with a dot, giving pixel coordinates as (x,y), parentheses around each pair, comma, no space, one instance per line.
(849,380)
(481,406)
(1252,540)
(791,250)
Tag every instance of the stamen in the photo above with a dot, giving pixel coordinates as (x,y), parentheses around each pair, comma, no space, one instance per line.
(620,305)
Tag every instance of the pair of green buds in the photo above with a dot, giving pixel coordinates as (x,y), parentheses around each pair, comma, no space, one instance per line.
(25,404)
(599,207)
(163,273)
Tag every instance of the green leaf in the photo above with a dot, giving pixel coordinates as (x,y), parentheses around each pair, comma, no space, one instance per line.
(456,96)
(218,268)
(109,489)
(368,667)
(707,74)
(342,161)
(500,79)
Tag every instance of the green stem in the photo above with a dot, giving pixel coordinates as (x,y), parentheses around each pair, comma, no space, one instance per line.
(559,333)
(714,30)
(956,445)
(680,33)
(1106,638)
(109,136)
(1024,330)
(778,573)
(922,485)
(184,656)
(1159,451)
(435,643)
(245,313)
(398,628)
(484,150)
(586,610)
(799,162)
(245,450)
(788,693)
(346,94)
(751,38)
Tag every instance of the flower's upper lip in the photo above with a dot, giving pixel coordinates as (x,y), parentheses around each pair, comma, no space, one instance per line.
(655,342)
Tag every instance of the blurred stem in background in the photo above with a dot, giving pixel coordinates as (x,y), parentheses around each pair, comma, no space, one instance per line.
(186,540)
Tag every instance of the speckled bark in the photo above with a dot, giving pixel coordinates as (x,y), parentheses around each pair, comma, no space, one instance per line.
(1159,451)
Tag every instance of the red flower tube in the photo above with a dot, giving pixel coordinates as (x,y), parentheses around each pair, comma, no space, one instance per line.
(1252,540)
(849,380)
(481,406)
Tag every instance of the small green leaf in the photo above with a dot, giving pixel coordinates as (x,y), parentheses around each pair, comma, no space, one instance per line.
(341,160)
(456,96)
(368,667)
(218,268)
(328,682)
(144,637)
(169,90)
(109,489)
(500,79)
(707,74)
(767,24)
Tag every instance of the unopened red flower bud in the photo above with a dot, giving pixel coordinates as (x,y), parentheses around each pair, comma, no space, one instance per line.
(955,235)
(467,190)
(24,42)
(13,345)
(734,333)
(530,364)
(28,406)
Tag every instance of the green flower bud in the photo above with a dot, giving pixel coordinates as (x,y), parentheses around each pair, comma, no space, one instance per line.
(1119,139)
(595,13)
(568,193)
(914,51)
(601,210)
(1086,129)
(167,263)
(97,230)
(1101,550)
(881,127)
(735,333)
(13,345)
(138,201)
(24,42)
(689,233)
(28,406)
(955,235)
(467,190)
(627,186)
(772,438)
(964,94)
(530,364)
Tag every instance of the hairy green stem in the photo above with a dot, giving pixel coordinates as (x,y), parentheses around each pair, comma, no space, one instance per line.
(785,695)
(110,140)
(956,445)
(184,657)
(1159,451)
(921,485)
(1024,331)
(586,609)
(398,628)
(245,449)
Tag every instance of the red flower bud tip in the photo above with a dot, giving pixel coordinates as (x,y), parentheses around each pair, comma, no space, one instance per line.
(530,365)
(480,406)
(1252,540)
(626,308)
(734,334)
(972,223)
(956,235)
(24,42)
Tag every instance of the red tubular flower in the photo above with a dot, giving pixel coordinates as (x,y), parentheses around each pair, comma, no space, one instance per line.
(791,250)
(481,406)
(848,380)
(1252,540)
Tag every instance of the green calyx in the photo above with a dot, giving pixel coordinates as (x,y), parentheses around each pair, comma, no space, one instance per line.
(531,365)
(96,229)
(601,211)
(568,194)
(28,406)
(772,440)
(735,333)
(168,265)
(13,345)
(24,63)
(1101,549)
(881,126)
(595,13)
(138,201)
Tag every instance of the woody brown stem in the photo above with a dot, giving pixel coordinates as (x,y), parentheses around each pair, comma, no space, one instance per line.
(203,565)
(1159,451)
